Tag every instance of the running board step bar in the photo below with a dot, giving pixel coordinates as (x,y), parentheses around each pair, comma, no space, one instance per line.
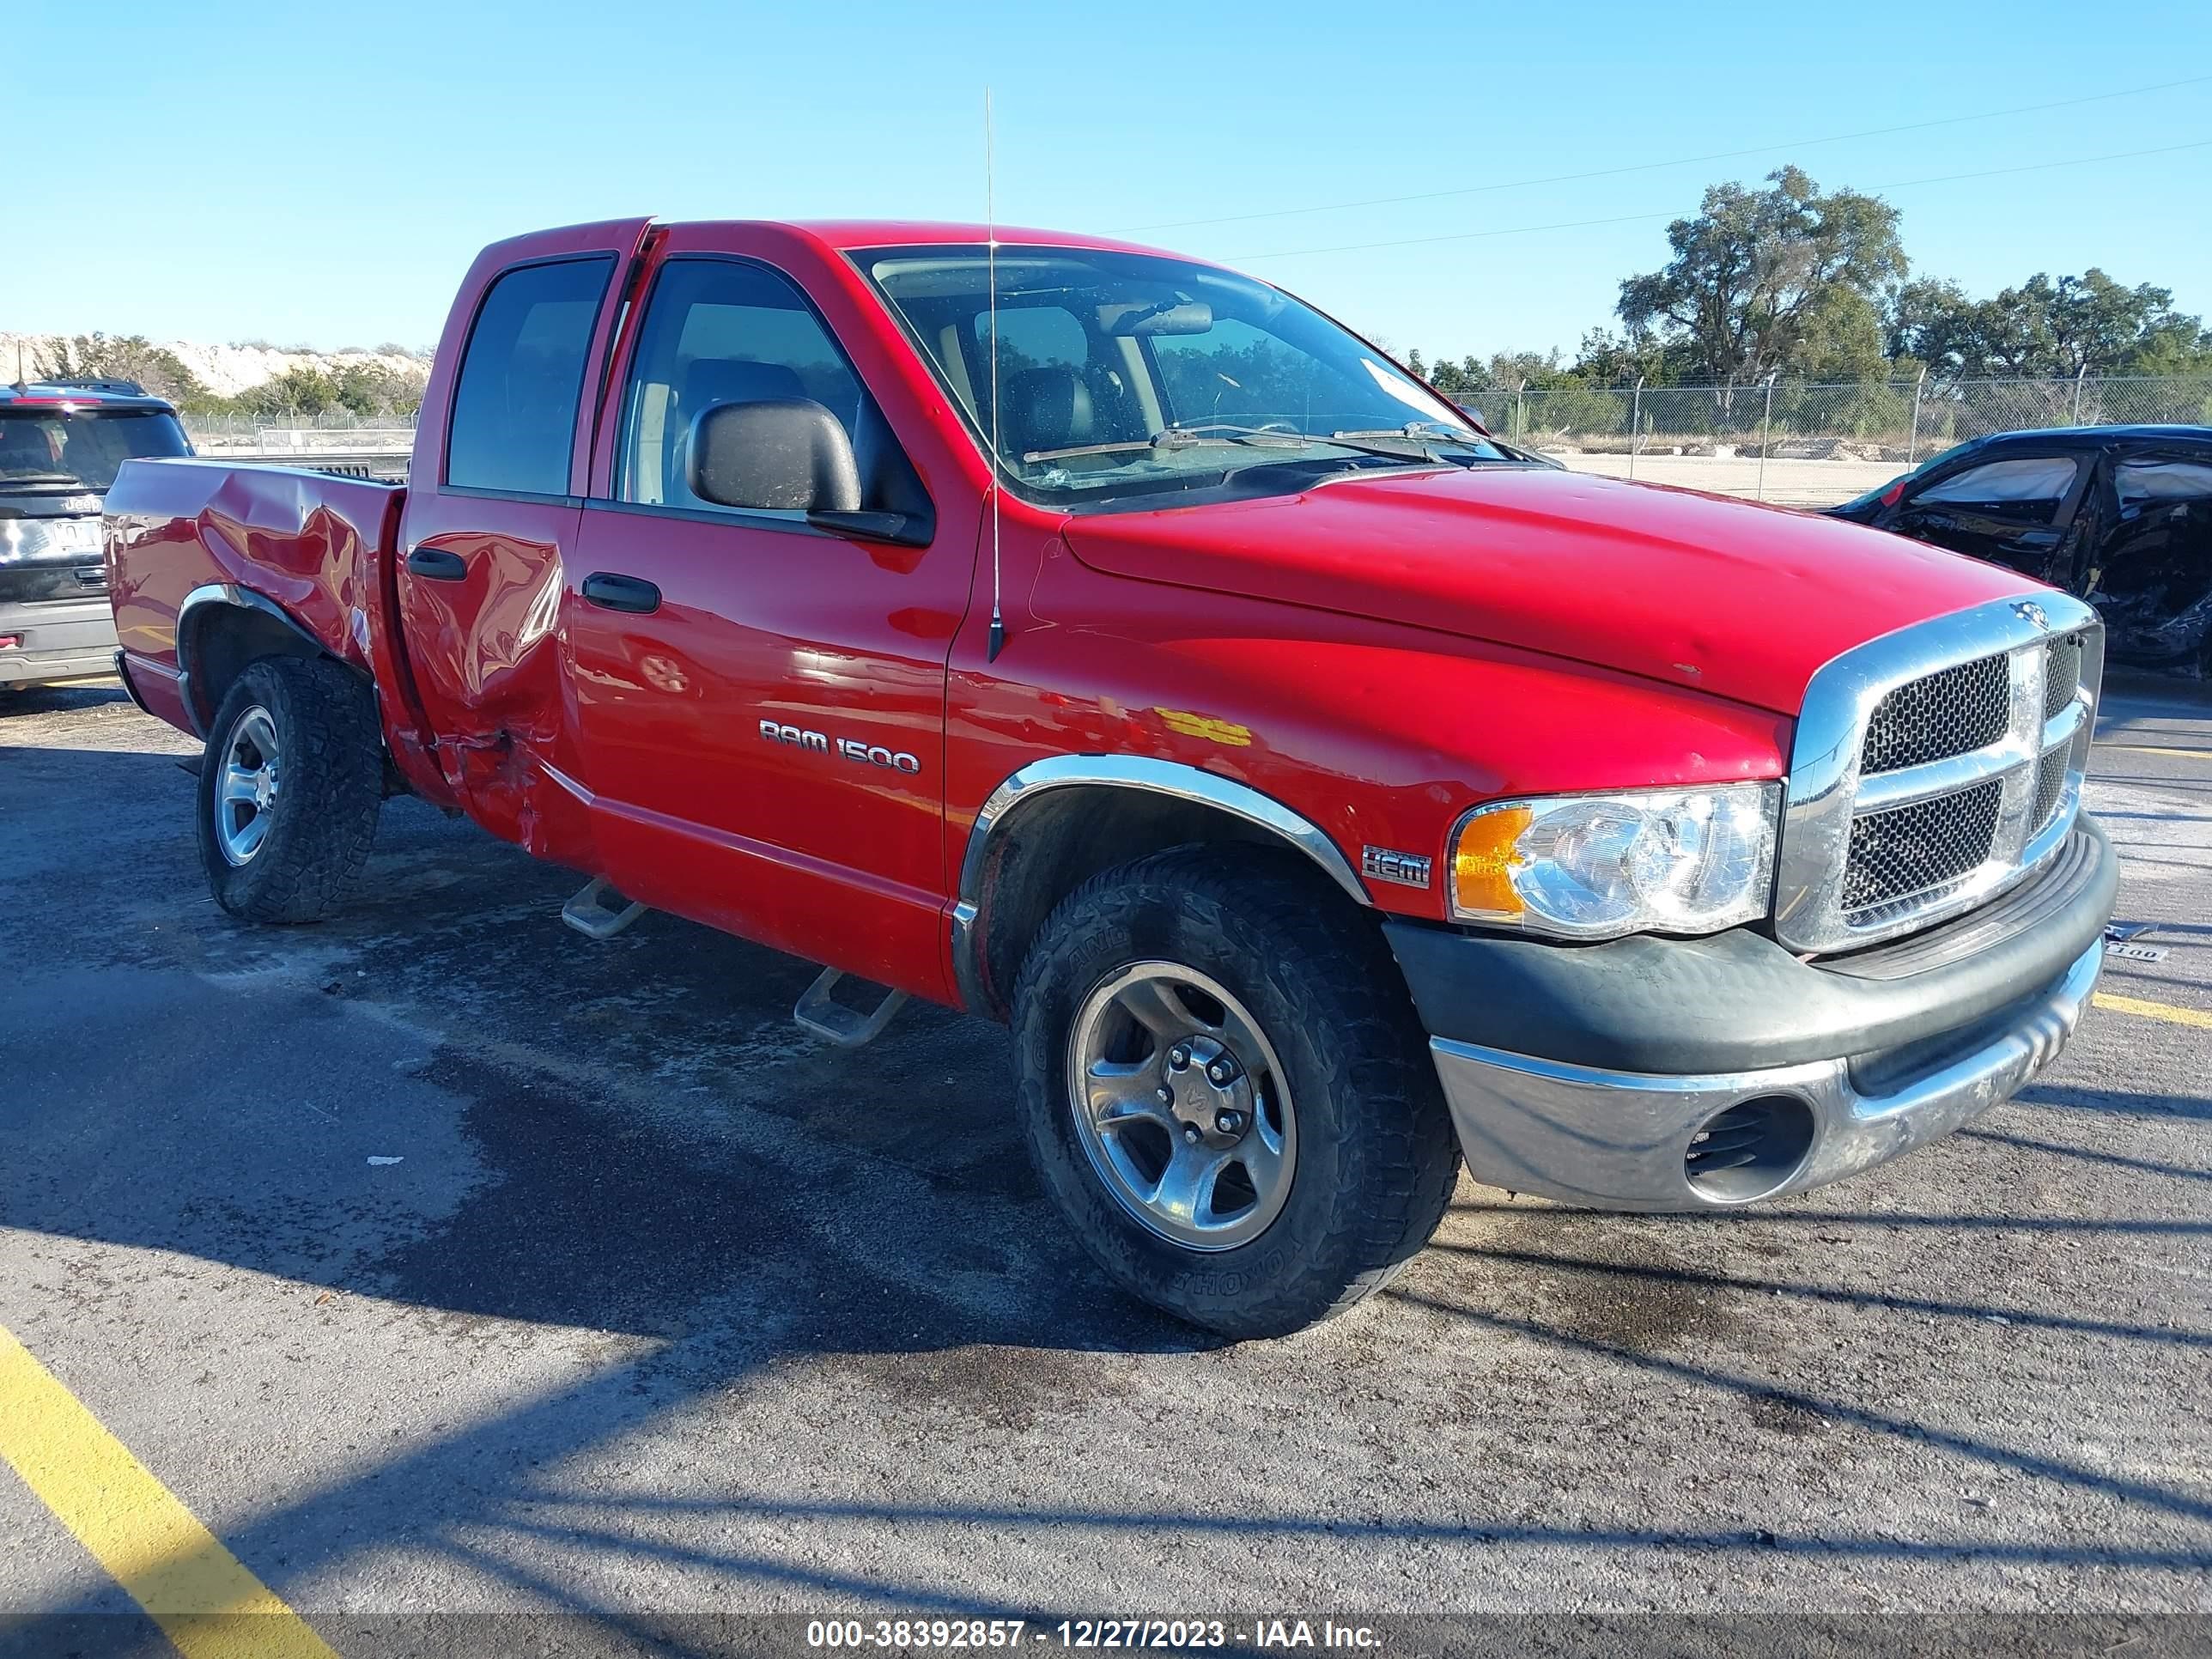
(588,916)
(821,1015)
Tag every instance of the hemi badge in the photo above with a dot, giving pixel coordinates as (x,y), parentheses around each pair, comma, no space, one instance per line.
(1387,864)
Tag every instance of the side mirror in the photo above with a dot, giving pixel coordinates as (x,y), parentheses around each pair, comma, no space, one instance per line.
(778,454)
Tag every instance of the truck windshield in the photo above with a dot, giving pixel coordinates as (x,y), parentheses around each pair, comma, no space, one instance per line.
(1134,375)
(80,448)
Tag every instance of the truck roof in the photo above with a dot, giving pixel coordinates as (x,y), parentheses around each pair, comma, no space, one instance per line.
(844,234)
(848,234)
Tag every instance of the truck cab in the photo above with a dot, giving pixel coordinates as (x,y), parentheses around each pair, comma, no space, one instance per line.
(1109,644)
(61,443)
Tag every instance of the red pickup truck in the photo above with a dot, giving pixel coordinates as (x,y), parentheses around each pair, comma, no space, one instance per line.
(1109,644)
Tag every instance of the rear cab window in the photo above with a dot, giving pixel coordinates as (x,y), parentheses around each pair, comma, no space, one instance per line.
(513,421)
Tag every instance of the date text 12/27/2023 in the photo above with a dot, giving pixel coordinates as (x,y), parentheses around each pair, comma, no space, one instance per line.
(1087,1634)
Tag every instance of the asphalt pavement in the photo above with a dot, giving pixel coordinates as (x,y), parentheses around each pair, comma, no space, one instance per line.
(440,1260)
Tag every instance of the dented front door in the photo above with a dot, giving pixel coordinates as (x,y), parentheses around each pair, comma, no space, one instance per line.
(492,520)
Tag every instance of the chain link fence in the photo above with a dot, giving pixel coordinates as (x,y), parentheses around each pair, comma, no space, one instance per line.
(1783,441)
(1734,439)
(209,430)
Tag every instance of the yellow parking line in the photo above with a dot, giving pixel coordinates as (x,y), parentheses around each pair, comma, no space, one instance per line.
(203,1599)
(2165,1010)
(2146,749)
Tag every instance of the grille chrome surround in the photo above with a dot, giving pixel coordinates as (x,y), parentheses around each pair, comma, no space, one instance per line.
(1872,741)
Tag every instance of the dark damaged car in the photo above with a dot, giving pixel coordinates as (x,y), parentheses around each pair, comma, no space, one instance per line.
(2121,515)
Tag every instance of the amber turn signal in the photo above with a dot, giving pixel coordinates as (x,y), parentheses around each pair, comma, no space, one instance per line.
(1483,861)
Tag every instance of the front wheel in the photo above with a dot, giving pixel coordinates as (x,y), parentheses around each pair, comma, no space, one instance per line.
(1225,1091)
(290,783)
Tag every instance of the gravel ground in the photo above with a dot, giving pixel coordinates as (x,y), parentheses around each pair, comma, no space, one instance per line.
(1786,483)
(662,1307)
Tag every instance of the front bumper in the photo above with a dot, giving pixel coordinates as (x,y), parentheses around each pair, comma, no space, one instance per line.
(61,639)
(1914,1039)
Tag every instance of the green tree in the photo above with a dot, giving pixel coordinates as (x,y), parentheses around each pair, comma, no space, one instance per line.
(372,388)
(1931,321)
(122,357)
(2046,329)
(1755,283)
(1608,358)
(298,390)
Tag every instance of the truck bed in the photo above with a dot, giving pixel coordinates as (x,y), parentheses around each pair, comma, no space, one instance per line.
(320,547)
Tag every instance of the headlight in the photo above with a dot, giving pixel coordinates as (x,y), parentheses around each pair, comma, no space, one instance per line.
(1641,860)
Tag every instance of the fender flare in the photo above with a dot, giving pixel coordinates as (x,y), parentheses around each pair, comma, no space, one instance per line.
(1169,778)
(242,598)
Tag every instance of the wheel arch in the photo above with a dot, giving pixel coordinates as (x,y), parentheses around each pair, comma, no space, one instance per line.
(221,629)
(1055,823)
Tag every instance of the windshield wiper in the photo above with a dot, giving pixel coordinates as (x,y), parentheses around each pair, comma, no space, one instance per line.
(39,480)
(1184,437)
(1433,440)
(1427,434)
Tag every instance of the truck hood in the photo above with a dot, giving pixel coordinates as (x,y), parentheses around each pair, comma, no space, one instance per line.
(1734,598)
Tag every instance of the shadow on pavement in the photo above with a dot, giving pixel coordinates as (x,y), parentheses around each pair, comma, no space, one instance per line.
(628,1137)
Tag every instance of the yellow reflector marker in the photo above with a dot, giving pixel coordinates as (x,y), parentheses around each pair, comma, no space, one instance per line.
(1484,860)
(199,1593)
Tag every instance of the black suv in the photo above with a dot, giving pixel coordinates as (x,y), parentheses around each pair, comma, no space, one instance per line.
(2121,515)
(60,444)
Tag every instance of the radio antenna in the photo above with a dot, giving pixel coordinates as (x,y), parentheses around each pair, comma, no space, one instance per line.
(991,281)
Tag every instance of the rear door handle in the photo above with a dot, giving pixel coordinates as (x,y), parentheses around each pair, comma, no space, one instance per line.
(437,564)
(612,593)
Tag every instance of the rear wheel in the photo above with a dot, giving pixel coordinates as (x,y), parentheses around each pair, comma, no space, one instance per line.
(1225,1091)
(289,786)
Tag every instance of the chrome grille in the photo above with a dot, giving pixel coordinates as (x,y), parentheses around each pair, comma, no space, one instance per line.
(1911,850)
(2051,782)
(1955,712)
(1932,767)
(2061,674)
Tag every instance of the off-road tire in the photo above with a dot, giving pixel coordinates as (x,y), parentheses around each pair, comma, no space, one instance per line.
(324,815)
(1377,1158)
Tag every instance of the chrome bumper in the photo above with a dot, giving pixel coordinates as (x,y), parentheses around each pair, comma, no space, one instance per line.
(1624,1140)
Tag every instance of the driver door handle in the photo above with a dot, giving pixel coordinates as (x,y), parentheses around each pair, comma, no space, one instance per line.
(437,564)
(610,592)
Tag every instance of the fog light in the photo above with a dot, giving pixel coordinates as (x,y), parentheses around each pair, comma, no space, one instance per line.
(1749,1150)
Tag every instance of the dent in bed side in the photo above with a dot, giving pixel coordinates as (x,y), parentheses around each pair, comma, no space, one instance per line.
(309,549)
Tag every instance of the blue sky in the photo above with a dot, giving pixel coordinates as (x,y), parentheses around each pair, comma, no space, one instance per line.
(322,174)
